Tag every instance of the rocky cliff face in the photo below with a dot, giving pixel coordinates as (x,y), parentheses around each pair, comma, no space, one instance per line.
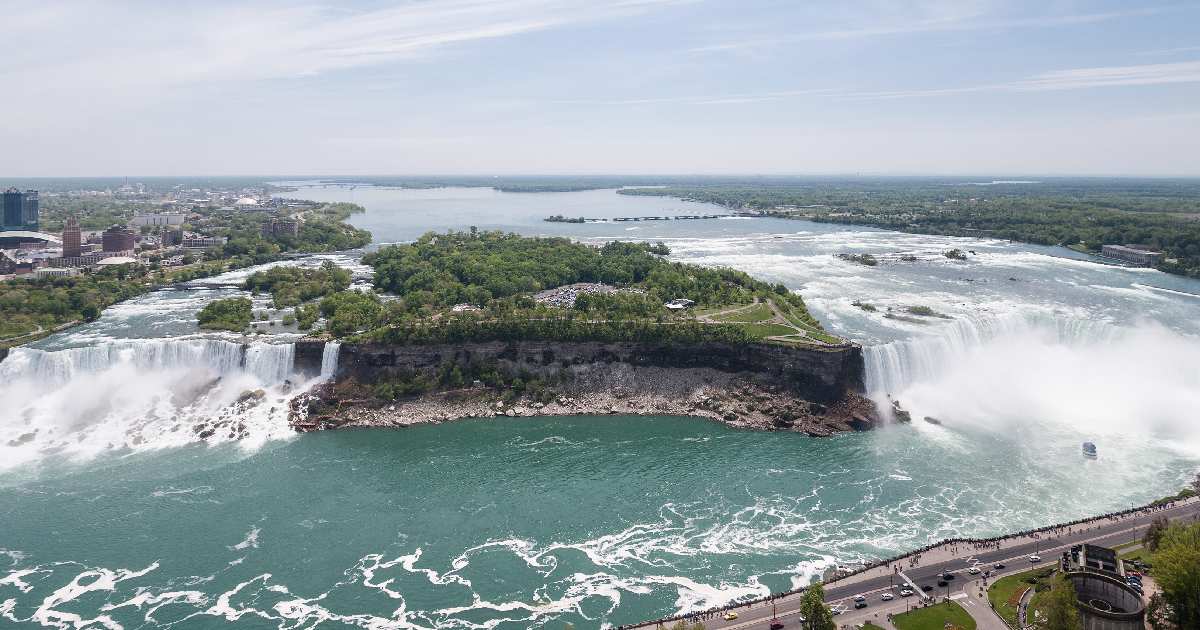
(820,375)
(767,386)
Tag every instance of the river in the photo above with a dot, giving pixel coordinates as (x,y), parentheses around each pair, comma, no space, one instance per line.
(110,510)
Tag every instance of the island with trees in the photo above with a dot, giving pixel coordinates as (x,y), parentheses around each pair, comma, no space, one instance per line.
(488,323)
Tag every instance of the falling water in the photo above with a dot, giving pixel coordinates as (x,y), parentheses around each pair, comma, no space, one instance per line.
(142,394)
(329,359)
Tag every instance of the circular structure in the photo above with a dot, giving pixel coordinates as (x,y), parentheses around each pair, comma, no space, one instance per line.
(1107,603)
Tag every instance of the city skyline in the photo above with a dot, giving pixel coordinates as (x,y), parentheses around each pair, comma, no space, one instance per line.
(567,87)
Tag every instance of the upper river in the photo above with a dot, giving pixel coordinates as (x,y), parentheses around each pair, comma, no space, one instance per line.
(110,512)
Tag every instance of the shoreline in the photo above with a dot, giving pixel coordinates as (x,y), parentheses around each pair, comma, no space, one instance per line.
(947,550)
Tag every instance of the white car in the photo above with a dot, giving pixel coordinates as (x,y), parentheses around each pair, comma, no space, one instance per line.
(887,597)
(837,609)
(973,570)
(906,592)
(860,598)
(1035,558)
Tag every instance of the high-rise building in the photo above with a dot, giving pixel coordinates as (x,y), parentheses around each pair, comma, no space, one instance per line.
(20,210)
(119,238)
(14,210)
(30,210)
(72,247)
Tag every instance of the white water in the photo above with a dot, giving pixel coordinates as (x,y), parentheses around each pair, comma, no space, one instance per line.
(1015,371)
(329,359)
(133,395)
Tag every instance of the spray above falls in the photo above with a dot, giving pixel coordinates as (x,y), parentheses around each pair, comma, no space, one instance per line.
(1083,376)
(131,395)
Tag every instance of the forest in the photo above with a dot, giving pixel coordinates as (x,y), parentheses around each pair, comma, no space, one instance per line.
(490,279)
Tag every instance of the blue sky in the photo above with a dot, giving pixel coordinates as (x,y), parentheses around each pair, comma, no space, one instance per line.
(577,86)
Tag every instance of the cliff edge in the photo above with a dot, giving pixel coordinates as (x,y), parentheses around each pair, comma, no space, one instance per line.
(814,390)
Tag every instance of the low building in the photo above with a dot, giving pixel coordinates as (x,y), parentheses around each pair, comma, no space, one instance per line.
(203,242)
(86,259)
(281,227)
(119,238)
(55,272)
(1132,254)
(158,219)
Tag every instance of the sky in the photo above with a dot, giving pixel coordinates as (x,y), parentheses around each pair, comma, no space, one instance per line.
(479,87)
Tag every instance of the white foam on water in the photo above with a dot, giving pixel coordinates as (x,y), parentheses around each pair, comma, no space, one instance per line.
(134,395)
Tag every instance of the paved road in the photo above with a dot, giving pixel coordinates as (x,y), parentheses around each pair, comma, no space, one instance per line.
(1014,556)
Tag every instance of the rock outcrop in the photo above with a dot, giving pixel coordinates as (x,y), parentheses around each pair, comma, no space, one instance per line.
(815,390)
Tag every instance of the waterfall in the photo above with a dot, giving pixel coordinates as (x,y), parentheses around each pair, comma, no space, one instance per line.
(329,359)
(143,394)
(1075,378)
(891,367)
(270,363)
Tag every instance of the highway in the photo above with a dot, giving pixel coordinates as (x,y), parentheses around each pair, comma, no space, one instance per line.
(1014,554)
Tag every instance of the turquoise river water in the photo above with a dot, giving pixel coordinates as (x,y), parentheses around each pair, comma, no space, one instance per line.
(113,515)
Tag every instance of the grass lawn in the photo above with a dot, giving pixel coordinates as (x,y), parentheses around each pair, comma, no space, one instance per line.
(935,618)
(756,313)
(768,330)
(1005,593)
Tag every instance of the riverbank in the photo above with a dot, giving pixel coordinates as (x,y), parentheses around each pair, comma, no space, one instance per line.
(956,555)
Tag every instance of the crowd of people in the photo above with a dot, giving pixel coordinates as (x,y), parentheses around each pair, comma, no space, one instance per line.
(913,558)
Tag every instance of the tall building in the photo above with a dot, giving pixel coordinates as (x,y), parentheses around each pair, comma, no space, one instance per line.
(30,210)
(119,238)
(72,246)
(14,210)
(20,210)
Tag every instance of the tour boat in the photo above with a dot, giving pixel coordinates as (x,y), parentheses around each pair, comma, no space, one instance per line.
(1089,450)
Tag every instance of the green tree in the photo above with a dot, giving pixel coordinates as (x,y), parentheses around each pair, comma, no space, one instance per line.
(1154,533)
(1177,571)
(813,608)
(1060,608)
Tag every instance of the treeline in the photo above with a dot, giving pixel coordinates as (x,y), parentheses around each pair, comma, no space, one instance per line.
(479,267)
(1086,214)
(26,305)
(231,314)
(291,286)
(566,329)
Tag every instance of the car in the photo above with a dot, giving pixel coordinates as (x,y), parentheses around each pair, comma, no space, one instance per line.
(926,588)
(1035,558)
(943,583)
(1136,573)
(906,592)
(887,597)
(776,624)
(998,565)
(837,609)
(973,570)
(860,604)
(1138,588)
(947,576)
(1133,578)
(860,598)
(729,616)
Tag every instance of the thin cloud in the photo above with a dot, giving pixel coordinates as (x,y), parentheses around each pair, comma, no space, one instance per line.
(725,99)
(1073,79)
(939,23)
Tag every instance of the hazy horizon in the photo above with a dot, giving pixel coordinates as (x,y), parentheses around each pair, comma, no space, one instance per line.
(569,88)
